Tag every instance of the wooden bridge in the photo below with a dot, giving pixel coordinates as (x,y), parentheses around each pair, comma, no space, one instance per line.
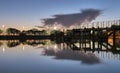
(96,37)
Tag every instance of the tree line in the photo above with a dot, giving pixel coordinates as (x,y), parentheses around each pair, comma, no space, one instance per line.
(14,31)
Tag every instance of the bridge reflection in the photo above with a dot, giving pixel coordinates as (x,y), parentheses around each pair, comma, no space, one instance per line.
(86,45)
(94,46)
(69,50)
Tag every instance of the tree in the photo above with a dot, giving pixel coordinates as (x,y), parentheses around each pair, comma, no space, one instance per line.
(31,32)
(1,31)
(44,32)
(35,32)
(13,31)
(57,33)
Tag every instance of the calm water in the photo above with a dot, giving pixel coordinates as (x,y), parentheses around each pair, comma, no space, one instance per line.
(49,57)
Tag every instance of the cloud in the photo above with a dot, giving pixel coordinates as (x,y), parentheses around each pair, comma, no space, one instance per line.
(71,19)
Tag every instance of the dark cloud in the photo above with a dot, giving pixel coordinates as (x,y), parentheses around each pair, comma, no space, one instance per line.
(85,58)
(71,19)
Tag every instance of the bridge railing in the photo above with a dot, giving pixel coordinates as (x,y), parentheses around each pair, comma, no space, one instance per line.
(100,24)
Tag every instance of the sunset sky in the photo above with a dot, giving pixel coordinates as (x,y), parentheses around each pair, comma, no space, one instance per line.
(27,13)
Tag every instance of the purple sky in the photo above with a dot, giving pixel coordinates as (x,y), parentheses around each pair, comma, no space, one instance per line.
(19,13)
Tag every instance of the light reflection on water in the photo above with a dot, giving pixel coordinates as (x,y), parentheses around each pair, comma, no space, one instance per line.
(43,56)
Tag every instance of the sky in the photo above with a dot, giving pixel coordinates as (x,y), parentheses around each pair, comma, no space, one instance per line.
(28,13)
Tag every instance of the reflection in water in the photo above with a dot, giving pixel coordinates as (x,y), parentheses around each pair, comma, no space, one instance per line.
(1,43)
(35,42)
(61,51)
(110,40)
(32,56)
(13,43)
(87,58)
(3,50)
(23,48)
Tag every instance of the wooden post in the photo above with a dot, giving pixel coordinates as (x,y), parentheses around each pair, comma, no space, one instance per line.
(89,39)
(98,35)
(114,38)
(85,37)
(93,38)
(107,38)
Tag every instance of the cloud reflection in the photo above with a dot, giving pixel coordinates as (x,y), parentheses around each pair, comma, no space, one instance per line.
(67,54)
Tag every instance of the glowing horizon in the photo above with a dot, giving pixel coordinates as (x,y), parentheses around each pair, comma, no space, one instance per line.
(29,13)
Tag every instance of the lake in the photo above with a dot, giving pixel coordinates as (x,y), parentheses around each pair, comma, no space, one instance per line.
(45,56)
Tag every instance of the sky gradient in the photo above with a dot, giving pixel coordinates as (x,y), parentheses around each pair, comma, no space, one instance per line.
(27,13)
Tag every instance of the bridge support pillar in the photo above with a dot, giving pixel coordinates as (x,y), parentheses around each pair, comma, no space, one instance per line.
(114,38)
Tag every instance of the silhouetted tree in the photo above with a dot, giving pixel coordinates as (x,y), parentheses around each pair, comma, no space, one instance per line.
(35,32)
(32,31)
(13,31)
(69,32)
(44,32)
(1,31)
(57,35)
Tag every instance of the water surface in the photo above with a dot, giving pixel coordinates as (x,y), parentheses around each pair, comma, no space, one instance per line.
(49,57)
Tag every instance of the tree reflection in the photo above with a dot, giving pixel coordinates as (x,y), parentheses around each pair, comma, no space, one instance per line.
(13,43)
(1,43)
(35,42)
